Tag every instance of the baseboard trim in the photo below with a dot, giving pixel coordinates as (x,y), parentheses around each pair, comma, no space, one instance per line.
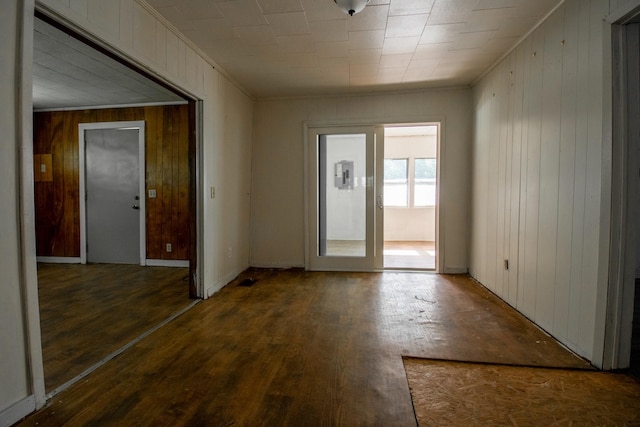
(17,411)
(166,263)
(456,270)
(59,260)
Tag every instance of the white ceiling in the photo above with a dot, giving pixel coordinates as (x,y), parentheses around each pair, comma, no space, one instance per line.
(298,47)
(305,47)
(69,74)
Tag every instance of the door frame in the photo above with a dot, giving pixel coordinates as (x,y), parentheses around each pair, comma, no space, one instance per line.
(378,126)
(82,127)
(373,257)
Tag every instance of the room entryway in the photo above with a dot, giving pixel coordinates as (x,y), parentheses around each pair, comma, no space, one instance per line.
(410,196)
(372,197)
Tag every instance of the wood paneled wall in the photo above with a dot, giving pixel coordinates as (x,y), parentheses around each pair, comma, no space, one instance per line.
(167,171)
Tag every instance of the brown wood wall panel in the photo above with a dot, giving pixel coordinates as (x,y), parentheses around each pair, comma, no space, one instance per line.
(167,171)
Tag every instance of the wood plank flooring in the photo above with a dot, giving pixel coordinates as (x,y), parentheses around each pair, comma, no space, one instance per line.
(89,311)
(302,349)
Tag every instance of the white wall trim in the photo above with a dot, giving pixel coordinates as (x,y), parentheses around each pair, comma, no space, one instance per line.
(59,259)
(17,411)
(623,14)
(29,273)
(103,107)
(167,263)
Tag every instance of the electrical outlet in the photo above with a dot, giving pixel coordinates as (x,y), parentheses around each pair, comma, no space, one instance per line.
(213,192)
(506,264)
(168,247)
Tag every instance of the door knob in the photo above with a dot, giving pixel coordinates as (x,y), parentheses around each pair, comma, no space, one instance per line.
(135,207)
(380,201)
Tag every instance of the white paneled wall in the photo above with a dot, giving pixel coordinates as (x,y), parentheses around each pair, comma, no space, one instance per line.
(277,202)
(537,155)
(133,30)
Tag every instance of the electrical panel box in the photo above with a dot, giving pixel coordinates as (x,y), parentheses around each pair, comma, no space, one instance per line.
(344,175)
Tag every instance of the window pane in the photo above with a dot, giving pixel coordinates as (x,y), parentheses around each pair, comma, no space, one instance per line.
(425,182)
(395,170)
(396,188)
(425,169)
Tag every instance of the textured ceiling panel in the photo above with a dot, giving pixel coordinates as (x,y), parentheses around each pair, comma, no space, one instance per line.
(307,47)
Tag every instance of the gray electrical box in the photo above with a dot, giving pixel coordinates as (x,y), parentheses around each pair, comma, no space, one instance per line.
(344,175)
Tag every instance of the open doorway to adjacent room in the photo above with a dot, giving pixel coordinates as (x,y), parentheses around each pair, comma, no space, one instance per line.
(134,128)
(410,196)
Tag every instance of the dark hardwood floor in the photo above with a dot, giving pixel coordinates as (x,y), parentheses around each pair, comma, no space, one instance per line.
(89,311)
(302,349)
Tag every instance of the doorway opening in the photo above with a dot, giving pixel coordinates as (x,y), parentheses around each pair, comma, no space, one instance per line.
(117,300)
(410,196)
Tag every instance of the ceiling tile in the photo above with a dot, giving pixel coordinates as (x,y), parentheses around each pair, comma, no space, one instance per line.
(441,33)
(296,44)
(329,31)
(287,24)
(400,45)
(391,61)
(258,35)
(198,9)
(365,56)
(406,25)
(242,12)
(332,49)
(280,6)
(410,7)
(366,39)
(321,10)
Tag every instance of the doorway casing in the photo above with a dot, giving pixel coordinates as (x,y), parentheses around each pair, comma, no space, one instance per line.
(310,198)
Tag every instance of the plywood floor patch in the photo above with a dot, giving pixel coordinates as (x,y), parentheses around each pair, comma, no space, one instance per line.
(473,394)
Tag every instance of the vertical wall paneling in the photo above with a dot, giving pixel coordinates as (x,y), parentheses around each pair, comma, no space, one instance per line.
(594,245)
(549,169)
(126,23)
(105,15)
(531,199)
(580,180)
(548,176)
(567,157)
(144,25)
(492,196)
(515,138)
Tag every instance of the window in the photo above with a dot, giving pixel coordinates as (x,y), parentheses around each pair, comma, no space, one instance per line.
(406,186)
(396,182)
(424,182)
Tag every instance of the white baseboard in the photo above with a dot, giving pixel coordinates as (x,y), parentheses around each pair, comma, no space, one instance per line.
(166,263)
(275,265)
(456,270)
(17,411)
(59,259)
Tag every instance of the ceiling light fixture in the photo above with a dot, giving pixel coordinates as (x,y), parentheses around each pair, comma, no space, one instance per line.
(351,6)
